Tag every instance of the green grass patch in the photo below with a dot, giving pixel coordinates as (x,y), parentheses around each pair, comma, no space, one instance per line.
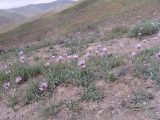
(26,71)
(68,73)
(145,28)
(4,77)
(103,66)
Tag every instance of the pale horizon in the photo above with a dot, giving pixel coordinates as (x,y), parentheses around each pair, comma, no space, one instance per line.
(7,4)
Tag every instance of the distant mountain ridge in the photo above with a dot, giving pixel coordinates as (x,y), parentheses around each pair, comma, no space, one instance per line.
(10,18)
(7,17)
(36,9)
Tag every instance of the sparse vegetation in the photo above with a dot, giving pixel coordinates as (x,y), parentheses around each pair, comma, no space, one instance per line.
(117,32)
(138,97)
(141,70)
(146,54)
(146,64)
(81,41)
(51,111)
(140,102)
(71,71)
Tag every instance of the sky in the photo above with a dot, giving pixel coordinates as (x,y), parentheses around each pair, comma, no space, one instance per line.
(5,4)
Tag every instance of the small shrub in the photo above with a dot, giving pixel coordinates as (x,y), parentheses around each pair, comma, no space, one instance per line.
(144,29)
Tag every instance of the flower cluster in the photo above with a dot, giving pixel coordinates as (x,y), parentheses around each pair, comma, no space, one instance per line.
(138,46)
(97,51)
(3,67)
(157,54)
(100,51)
(134,53)
(66,57)
(6,85)
(73,57)
(82,63)
(8,72)
(137,49)
(18,80)
(46,64)
(21,57)
(43,86)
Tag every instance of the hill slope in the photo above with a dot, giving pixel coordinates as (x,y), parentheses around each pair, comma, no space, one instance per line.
(35,9)
(80,75)
(86,13)
(7,17)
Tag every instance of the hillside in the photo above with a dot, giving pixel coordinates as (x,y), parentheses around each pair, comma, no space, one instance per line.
(97,60)
(7,17)
(37,9)
(84,14)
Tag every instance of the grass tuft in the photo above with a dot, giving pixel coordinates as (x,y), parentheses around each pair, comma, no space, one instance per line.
(92,94)
(32,92)
(73,106)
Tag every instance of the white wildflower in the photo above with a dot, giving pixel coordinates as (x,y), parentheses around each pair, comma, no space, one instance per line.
(82,63)
(46,64)
(43,86)
(18,79)
(6,85)
(138,46)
